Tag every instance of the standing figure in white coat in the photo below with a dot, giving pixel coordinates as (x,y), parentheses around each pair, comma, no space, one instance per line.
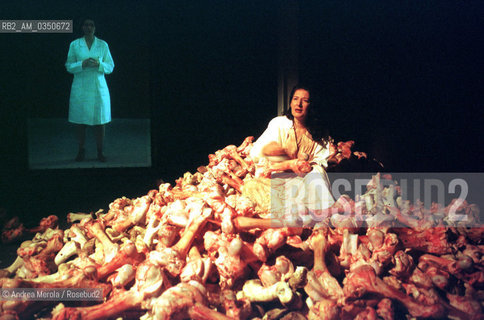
(89,104)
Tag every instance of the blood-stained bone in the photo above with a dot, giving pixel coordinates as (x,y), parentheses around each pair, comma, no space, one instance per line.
(154,225)
(73,217)
(126,255)
(183,251)
(385,309)
(281,270)
(149,281)
(6,272)
(96,229)
(123,276)
(230,255)
(254,291)
(67,251)
(364,279)
(199,311)
(178,300)
(433,240)
(320,280)
(272,239)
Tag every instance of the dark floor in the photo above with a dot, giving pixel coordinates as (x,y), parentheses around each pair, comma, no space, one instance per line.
(53,144)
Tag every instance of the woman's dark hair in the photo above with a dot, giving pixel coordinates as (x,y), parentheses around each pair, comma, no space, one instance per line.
(84,19)
(314,124)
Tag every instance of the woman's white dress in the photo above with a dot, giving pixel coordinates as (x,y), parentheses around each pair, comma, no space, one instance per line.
(290,193)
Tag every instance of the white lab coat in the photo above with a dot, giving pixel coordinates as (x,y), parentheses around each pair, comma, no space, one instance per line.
(89,102)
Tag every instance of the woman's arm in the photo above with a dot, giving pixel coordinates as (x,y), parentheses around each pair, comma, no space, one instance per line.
(72,65)
(299,167)
(268,137)
(106,65)
(321,155)
(273,149)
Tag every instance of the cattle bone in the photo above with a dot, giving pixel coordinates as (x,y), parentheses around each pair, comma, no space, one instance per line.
(364,279)
(109,248)
(79,216)
(173,258)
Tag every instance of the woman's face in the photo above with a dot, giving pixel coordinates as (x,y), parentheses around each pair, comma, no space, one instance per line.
(88,27)
(300,104)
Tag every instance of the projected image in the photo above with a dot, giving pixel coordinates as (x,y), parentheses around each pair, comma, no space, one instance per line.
(87,133)
(53,144)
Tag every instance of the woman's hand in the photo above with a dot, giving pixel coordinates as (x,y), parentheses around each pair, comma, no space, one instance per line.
(299,167)
(95,62)
(90,63)
(86,63)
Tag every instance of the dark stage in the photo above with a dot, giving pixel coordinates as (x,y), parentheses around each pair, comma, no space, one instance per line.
(402,79)
(53,145)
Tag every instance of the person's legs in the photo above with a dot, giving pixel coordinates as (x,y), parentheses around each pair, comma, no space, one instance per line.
(81,137)
(99,133)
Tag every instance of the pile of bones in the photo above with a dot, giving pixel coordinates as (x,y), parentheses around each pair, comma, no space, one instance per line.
(202,250)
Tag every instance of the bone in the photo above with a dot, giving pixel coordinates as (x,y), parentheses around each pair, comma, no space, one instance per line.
(64,271)
(200,312)
(110,249)
(247,143)
(364,279)
(254,291)
(450,265)
(173,269)
(385,309)
(152,229)
(53,246)
(388,196)
(282,269)
(433,240)
(68,250)
(183,245)
(123,276)
(348,248)
(79,236)
(246,223)
(23,309)
(173,258)
(48,222)
(126,255)
(78,216)
(231,181)
(178,300)
(234,154)
(324,309)
(149,281)
(299,278)
(319,244)
(198,268)
(6,272)
(141,206)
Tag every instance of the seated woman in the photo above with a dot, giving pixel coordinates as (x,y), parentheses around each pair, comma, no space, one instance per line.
(295,141)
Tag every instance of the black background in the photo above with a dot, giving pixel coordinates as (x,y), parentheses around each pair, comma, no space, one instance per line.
(402,79)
